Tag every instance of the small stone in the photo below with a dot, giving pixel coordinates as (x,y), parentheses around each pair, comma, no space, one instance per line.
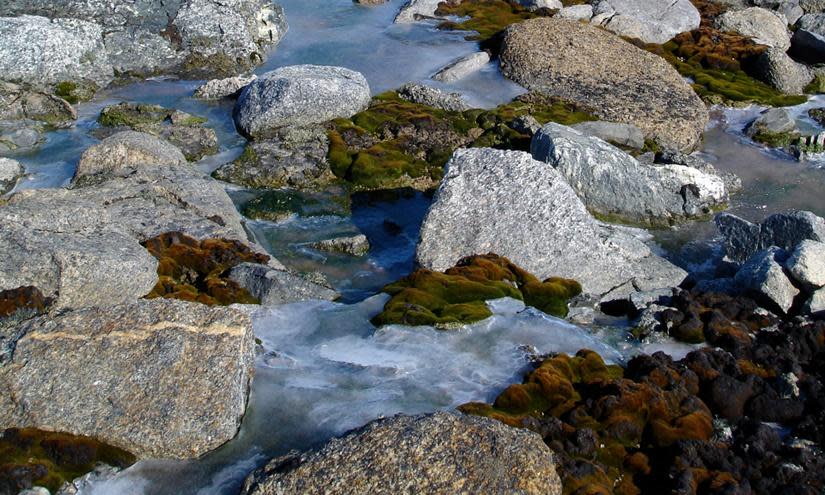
(126,150)
(356,245)
(763,275)
(581,12)
(433,97)
(229,87)
(807,264)
(272,286)
(816,303)
(462,67)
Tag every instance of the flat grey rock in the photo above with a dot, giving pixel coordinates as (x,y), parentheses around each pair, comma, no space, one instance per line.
(125,150)
(613,132)
(273,287)
(581,12)
(763,275)
(433,97)
(462,67)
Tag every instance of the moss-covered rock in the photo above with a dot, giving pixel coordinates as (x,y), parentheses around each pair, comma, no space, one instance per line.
(396,143)
(458,295)
(197,271)
(30,457)
(487,18)
(280,204)
(75,92)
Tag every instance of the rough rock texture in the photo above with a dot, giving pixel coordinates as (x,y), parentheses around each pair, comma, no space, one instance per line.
(771,122)
(776,68)
(272,286)
(585,64)
(533,5)
(411,10)
(44,52)
(70,251)
(300,95)
(356,245)
(21,136)
(652,21)
(462,67)
(766,27)
(158,378)
(434,97)
(125,150)
(577,12)
(438,453)
(622,134)
(762,274)
(10,171)
(785,230)
(229,87)
(612,183)
(806,264)
(507,203)
(20,104)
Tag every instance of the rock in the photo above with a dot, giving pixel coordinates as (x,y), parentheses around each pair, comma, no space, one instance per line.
(300,95)
(762,274)
(507,203)
(434,97)
(766,27)
(651,21)
(160,378)
(772,121)
(125,150)
(413,10)
(436,453)
(36,490)
(815,305)
(17,103)
(622,83)
(785,230)
(581,12)
(10,171)
(44,52)
(101,473)
(534,5)
(71,253)
(807,264)
(612,183)
(733,183)
(291,157)
(370,2)
(620,134)
(462,67)
(217,89)
(356,245)
(21,136)
(776,68)
(808,42)
(272,286)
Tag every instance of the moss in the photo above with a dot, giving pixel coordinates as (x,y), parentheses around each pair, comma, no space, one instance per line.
(197,271)
(215,65)
(776,139)
(133,115)
(278,205)
(817,86)
(30,457)
(486,17)
(458,295)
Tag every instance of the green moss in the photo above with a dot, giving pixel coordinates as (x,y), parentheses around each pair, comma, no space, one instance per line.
(30,457)
(133,115)
(776,139)
(277,205)
(458,295)
(486,17)
(817,86)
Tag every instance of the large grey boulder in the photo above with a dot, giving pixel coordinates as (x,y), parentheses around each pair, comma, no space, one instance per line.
(766,27)
(612,183)
(272,286)
(806,264)
(785,230)
(763,275)
(620,82)
(300,95)
(652,21)
(44,52)
(72,252)
(776,68)
(437,453)
(125,150)
(809,38)
(507,203)
(621,134)
(433,97)
(24,105)
(413,10)
(10,171)
(462,67)
(158,378)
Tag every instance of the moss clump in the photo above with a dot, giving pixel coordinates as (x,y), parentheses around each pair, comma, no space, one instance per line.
(458,295)
(278,205)
(133,115)
(487,18)
(30,457)
(197,271)
(718,63)
(775,139)
(817,86)
(74,92)
(396,143)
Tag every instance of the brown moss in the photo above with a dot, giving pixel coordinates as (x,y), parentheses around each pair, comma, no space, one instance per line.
(197,271)
(26,299)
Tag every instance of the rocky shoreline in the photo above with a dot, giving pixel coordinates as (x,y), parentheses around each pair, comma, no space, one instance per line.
(129,297)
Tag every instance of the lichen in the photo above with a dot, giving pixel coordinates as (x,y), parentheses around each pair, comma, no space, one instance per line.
(457,296)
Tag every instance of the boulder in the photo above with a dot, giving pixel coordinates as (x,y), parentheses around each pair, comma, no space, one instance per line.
(125,150)
(300,95)
(620,134)
(622,83)
(808,42)
(785,230)
(413,10)
(20,104)
(806,264)
(762,275)
(815,305)
(437,453)
(217,89)
(10,171)
(766,27)
(776,68)
(509,204)
(772,121)
(613,184)
(433,97)
(43,52)
(462,67)
(158,378)
(581,12)
(651,21)
(271,286)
